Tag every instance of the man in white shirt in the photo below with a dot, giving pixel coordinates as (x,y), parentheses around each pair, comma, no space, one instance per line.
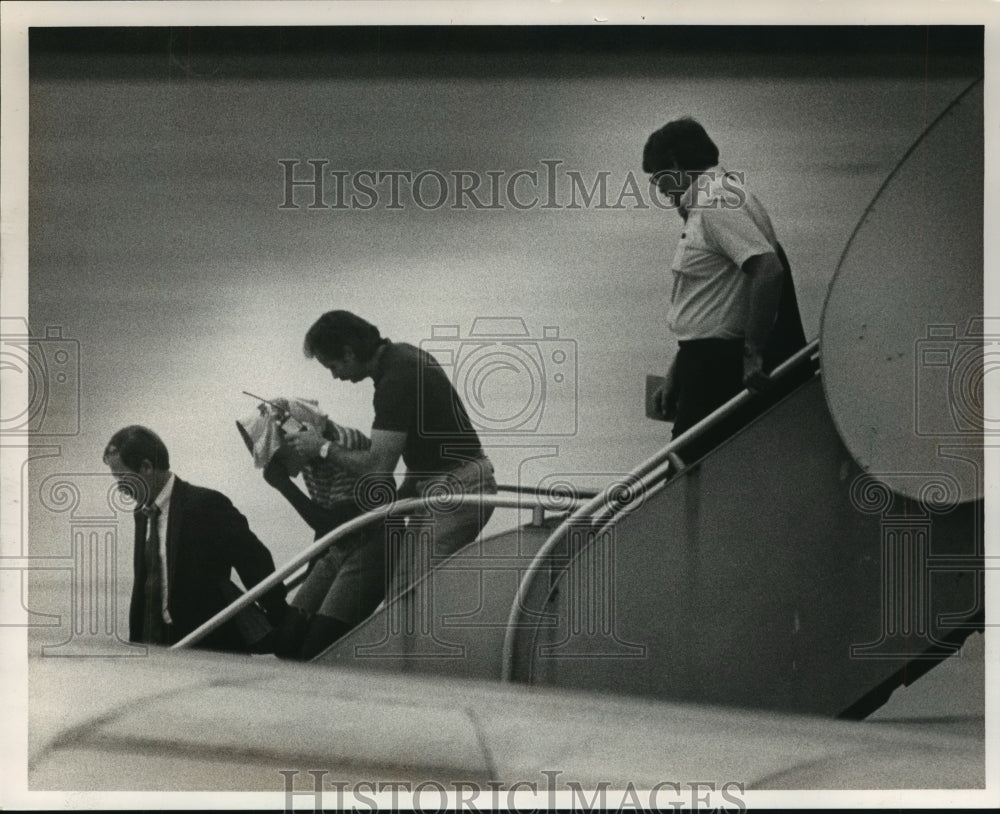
(732,305)
(188,541)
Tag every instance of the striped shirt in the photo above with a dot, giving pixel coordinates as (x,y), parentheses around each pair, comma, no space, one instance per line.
(327,482)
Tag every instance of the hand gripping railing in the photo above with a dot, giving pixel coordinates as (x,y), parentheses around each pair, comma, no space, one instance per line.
(400,507)
(617,496)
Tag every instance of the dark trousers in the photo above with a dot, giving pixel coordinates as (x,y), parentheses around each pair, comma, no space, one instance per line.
(709,373)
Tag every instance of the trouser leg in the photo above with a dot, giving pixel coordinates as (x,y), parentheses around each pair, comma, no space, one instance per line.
(323,631)
(710,373)
(290,635)
(435,535)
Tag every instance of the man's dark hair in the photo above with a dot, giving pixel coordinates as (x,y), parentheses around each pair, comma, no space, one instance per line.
(337,330)
(135,444)
(682,141)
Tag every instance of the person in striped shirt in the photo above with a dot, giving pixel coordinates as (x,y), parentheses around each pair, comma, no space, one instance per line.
(346,583)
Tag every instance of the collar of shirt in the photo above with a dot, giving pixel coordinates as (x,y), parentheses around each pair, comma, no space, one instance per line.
(162,502)
(163,499)
(701,193)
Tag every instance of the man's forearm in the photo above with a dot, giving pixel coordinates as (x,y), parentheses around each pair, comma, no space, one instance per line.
(318,518)
(253,562)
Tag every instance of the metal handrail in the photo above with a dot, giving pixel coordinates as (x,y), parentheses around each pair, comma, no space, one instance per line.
(401,507)
(534,490)
(659,465)
(646,473)
(538,513)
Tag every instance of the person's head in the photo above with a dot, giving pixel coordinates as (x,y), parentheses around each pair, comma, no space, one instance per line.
(293,460)
(344,344)
(676,153)
(266,431)
(139,460)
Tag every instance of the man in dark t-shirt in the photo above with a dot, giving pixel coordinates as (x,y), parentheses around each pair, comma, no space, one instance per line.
(418,417)
(405,378)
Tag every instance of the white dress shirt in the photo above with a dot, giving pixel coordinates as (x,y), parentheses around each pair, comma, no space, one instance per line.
(162,502)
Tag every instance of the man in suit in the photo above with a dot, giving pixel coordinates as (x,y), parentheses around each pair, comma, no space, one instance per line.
(188,540)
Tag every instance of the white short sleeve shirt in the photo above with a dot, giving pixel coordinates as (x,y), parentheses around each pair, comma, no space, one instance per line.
(725,227)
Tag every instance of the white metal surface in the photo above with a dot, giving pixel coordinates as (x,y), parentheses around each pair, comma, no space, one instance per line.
(199,721)
(901,336)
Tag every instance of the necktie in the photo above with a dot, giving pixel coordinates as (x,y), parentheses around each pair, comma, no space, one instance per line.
(155,630)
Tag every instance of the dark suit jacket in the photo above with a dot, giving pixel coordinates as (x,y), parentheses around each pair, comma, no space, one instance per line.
(787,336)
(207,537)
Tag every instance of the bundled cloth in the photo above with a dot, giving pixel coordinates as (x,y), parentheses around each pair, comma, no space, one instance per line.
(265,437)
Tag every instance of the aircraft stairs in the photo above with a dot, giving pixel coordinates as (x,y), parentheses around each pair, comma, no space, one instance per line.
(828,546)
